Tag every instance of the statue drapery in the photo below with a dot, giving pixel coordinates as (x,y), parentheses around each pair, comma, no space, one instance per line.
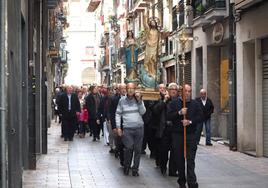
(131,52)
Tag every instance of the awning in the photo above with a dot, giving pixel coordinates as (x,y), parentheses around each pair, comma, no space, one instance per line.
(93,5)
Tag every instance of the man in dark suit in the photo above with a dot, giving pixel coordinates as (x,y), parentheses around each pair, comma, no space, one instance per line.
(207,108)
(188,116)
(92,105)
(69,108)
(119,146)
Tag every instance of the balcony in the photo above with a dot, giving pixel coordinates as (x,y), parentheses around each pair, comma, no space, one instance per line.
(139,5)
(211,10)
(215,9)
(244,4)
(93,5)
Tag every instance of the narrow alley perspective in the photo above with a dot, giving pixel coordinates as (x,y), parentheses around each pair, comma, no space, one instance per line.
(133,94)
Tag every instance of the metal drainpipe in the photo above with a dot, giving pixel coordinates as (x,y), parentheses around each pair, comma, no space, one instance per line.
(232,80)
(3,92)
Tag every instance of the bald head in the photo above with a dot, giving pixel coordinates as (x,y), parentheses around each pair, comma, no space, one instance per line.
(131,86)
(162,89)
(187,91)
(203,94)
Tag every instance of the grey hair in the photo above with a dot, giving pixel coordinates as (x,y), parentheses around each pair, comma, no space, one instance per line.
(173,84)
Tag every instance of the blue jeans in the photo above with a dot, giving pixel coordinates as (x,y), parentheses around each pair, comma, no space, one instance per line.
(208,131)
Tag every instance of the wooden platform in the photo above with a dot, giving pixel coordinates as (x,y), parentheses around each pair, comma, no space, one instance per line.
(150,95)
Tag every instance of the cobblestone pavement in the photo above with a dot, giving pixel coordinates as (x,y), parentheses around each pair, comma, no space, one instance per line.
(86,164)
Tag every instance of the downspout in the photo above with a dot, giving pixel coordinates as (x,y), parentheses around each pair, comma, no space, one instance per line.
(3,92)
(232,79)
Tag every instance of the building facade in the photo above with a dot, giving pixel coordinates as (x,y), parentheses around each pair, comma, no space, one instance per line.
(26,86)
(251,53)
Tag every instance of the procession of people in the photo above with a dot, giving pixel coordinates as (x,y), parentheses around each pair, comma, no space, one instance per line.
(132,124)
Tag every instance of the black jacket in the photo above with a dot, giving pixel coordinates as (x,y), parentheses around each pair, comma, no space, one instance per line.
(207,110)
(91,106)
(103,109)
(112,109)
(194,114)
(63,104)
(148,118)
(160,113)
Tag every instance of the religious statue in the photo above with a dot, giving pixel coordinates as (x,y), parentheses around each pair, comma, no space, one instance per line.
(131,52)
(152,35)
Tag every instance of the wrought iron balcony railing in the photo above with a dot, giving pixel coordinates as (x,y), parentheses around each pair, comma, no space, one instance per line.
(200,7)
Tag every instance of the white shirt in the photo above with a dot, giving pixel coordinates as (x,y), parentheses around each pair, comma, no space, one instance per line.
(204,101)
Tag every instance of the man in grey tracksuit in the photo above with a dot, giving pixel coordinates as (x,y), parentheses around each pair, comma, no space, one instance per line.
(130,110)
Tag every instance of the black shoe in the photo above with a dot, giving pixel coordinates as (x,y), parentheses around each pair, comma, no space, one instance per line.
(157,163)
(122,163)
(209,144)
(193,185)
(90,134)
(111,151)
(98,137)
(65,139)
(126,171)
(94,140)
(135,173)
(181,185)
(163,170)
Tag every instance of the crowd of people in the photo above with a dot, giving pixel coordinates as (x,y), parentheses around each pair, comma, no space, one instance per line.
(130,124)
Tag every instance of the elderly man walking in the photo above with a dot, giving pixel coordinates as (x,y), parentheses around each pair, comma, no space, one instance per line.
(207,108)
(130,110)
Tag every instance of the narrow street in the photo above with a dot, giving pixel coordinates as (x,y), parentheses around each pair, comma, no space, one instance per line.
(83,163)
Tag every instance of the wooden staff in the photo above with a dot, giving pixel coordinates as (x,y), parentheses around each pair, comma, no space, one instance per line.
(183,40)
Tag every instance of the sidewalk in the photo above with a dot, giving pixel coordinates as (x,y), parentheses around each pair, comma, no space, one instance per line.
(83,163)
(52,169)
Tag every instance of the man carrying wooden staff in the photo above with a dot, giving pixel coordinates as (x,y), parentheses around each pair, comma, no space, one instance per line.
(182,117)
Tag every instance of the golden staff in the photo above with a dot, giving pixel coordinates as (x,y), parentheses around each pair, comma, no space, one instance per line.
(183,39)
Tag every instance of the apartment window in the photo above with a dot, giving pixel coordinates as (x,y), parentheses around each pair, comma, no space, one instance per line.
(199,8)
(166,46)
(180,18)
(174,19)
(170,47)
